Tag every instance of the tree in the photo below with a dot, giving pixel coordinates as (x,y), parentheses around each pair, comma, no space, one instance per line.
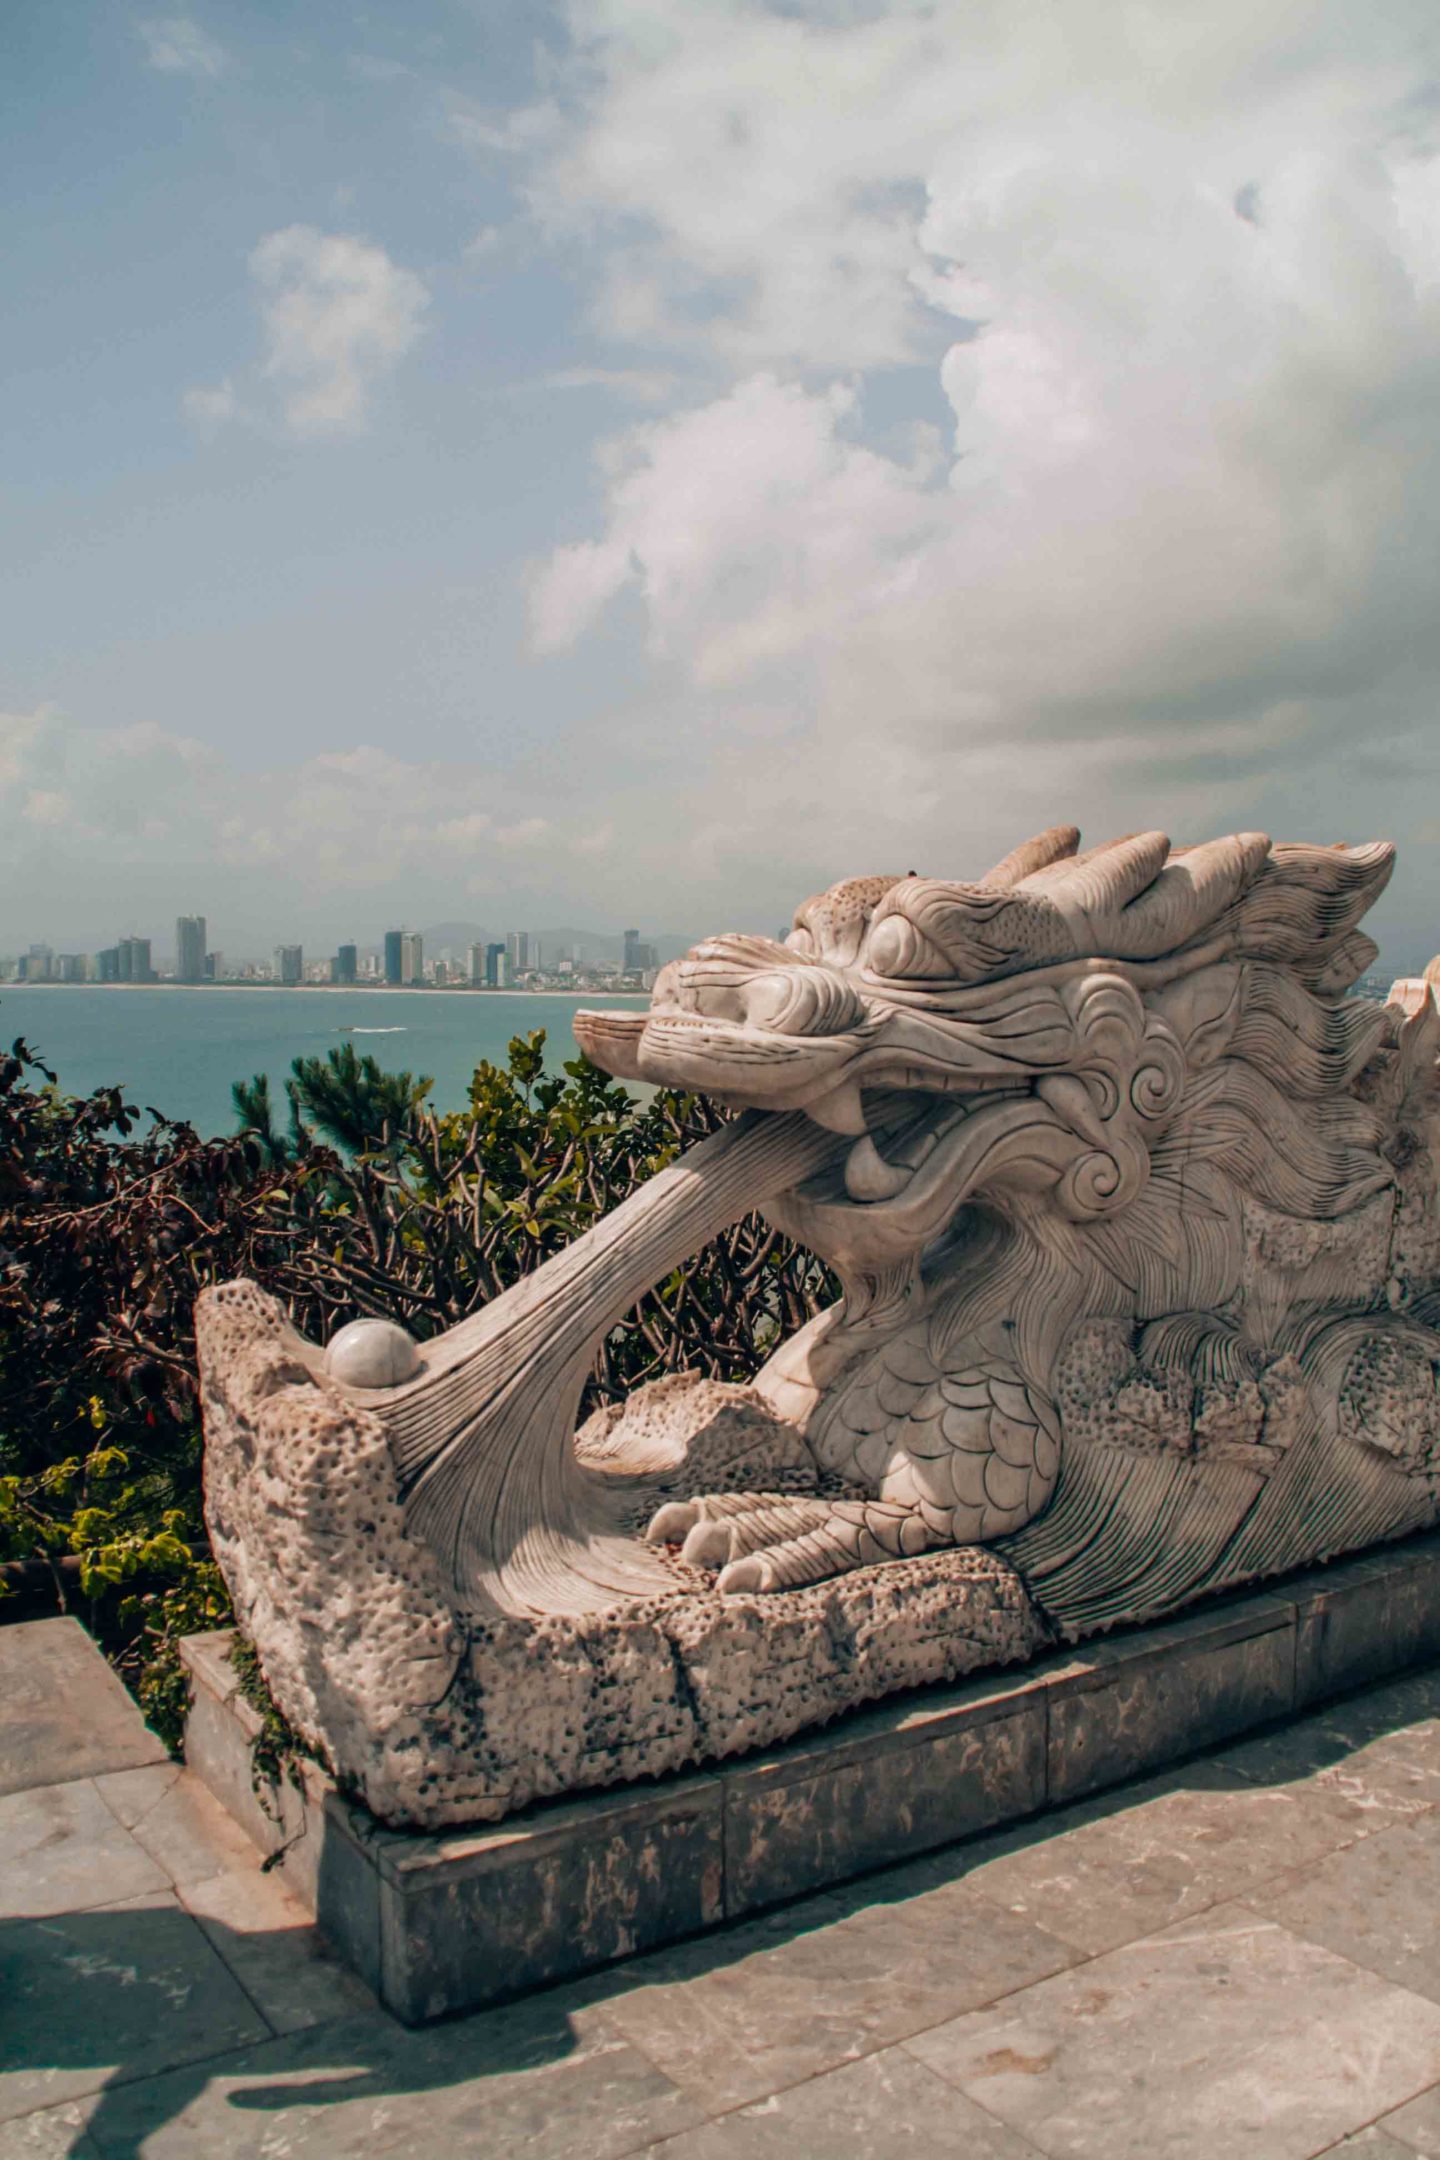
(256,1113)
(349,1099)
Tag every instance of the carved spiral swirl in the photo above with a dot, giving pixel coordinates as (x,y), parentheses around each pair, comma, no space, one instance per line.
(1103,1180)
(1159,1077)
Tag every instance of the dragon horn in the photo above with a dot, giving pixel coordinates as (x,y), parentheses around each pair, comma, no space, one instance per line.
(1050,846)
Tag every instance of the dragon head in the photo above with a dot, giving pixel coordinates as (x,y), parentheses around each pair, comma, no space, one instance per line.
(1030,1034)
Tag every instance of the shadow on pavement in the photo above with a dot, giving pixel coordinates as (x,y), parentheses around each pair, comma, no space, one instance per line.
(141,1992)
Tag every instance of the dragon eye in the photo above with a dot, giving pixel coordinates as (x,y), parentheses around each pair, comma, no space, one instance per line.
(802,1001)
(898,949)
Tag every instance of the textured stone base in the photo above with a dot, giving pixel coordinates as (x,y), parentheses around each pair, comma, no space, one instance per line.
(443,1923)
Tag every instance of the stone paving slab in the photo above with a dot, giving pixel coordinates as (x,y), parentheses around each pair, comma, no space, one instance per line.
(1105,1872)
(496,2085)
(886,2107)
(1225,2034)
(1372,2144)
(768,2005)
(1416,2127)
(63,1712)
(128,1990)
(1362,1902)
(1230,1958)
(61,1850)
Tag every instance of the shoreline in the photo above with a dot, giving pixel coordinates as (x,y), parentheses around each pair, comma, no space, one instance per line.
(345,989)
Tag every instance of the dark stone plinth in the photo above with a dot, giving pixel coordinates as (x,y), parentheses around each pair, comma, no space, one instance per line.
(444,1923)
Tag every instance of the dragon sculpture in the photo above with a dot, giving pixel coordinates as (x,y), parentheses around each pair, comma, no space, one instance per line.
(1135,1213)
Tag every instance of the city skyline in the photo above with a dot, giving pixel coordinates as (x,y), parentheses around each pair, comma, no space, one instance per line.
(464,953)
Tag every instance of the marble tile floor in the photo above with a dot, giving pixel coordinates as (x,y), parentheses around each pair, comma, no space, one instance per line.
(1239,1957)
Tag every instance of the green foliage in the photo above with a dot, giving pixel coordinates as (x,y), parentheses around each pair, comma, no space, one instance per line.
(110,1228)
(256,1112)
(150,1627)
(348,1099)
(277,1751)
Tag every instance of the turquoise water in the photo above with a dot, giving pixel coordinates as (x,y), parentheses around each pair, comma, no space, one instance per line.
(177,1050)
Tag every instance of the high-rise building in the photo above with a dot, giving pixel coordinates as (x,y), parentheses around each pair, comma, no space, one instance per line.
(69,967)
(135,960)
(497,967)
(190,948)
(107,964)
(214,966)
(476,958)
(517,944)
(38,965)
(394,956)
(412,958)
(345,966)
(289,965)
(630,963)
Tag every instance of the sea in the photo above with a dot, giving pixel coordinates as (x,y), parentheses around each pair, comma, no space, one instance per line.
(177,1050)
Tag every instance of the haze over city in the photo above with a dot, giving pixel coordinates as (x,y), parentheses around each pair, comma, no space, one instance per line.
(625,463)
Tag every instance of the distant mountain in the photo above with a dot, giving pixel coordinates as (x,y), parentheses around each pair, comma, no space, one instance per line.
(460,935)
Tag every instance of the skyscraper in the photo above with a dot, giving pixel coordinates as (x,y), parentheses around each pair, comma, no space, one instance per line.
(497,967)
(289,965)
(344,966)
(477,965)
(630,964)
(412,957)
(394,956)
(135,960)
(518,945)
(190,948)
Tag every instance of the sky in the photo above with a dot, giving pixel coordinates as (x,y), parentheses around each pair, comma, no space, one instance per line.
(639,461)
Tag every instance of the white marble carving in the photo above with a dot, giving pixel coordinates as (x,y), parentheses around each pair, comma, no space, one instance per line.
(1135,1211)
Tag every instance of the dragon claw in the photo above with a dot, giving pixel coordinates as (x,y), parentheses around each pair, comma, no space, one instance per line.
(750,1574)
(708,1545)
(671,1524)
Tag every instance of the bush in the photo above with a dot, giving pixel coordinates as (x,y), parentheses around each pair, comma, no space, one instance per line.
(109,1228)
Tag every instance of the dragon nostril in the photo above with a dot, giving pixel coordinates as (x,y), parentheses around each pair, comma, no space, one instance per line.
(801,1001)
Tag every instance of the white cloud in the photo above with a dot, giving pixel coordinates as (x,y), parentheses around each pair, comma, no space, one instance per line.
(88,814)
(176,45)
(753,529)
(338,316)
(212,407)
(1177,280)
(641,386)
